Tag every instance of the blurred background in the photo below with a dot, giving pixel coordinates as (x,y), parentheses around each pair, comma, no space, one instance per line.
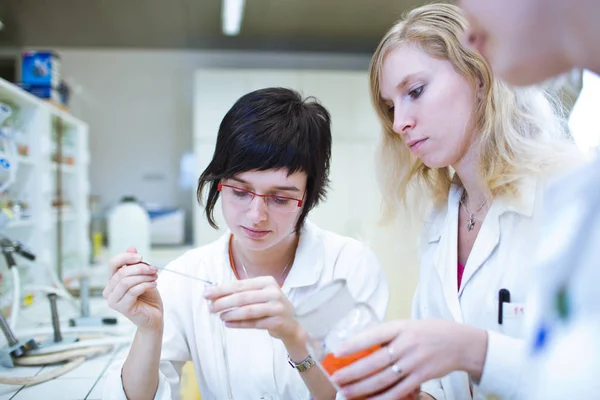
(125,99)
(153,78)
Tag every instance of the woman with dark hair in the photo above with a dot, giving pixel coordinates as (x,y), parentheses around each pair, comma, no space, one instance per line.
(269,169)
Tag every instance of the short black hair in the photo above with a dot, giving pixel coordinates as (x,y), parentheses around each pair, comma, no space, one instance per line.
(272,128)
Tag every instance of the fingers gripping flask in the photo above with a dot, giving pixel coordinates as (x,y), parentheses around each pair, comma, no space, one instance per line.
(331,316)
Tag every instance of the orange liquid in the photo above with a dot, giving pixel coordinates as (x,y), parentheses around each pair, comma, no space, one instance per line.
(332,363)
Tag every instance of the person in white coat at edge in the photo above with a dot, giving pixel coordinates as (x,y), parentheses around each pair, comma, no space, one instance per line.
(545,38)
(269,168)
(482,152)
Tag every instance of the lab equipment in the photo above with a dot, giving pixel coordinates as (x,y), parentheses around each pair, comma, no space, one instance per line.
(41,68)
(8,161)
(33,352)
(5,112)
(331,316)
(167,226)
(85,319)
(128,225)
(15,347)
(8,248)
(206,282)
(57,337)
(43,92)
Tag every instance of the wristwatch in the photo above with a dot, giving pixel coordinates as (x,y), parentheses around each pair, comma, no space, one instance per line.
(302,366)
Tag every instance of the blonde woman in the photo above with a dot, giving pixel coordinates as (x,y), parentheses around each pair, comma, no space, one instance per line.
(481,152)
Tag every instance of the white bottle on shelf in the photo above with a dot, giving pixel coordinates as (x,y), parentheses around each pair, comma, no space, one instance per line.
(129,225)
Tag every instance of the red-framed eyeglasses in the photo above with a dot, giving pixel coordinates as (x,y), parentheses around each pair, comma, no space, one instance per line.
(243,197)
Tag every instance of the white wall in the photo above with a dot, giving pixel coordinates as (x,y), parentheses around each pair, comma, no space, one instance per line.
(139,108)
(353,203)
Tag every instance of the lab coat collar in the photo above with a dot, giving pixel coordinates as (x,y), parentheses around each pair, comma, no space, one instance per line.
(308,262)
(446,253)
(436,225)
(523,203)
(310,255)
(489,234)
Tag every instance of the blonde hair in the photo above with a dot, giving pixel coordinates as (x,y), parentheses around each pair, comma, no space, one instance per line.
(521,132)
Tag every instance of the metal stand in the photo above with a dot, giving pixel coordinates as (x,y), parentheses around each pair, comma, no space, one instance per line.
(86,319)
(15,347)
(57,337)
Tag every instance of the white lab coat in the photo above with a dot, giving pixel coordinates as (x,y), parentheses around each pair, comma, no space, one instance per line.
(565,341)
(500,258)
(257,366)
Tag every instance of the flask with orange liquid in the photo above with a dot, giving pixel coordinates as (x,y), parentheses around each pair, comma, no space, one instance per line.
(331,316)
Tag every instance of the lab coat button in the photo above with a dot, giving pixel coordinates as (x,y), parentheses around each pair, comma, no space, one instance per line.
(492,397)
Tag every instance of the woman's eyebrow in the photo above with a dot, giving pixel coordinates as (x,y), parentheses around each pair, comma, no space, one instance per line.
(288,188)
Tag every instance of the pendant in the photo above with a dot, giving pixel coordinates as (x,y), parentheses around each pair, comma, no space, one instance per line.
(471,223)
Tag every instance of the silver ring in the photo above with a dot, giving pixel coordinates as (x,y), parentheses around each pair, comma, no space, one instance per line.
(391,353)
(396,369)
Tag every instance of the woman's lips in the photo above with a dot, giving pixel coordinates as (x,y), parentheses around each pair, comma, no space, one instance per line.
(255,234)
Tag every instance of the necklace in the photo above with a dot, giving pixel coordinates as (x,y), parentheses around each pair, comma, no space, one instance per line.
(288,264)
(471,220)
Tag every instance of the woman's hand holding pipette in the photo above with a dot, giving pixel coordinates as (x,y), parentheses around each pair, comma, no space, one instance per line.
(259,303)
(131,290)
(256,303)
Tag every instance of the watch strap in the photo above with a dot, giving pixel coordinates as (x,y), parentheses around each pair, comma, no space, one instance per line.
(304,365)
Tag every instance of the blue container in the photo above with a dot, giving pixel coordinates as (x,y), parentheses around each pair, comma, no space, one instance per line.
(40,68)
(43,92)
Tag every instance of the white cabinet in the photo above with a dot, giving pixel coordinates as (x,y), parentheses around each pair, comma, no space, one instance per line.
(49,193)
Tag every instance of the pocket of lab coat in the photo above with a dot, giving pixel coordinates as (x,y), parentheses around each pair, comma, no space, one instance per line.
(513,319)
